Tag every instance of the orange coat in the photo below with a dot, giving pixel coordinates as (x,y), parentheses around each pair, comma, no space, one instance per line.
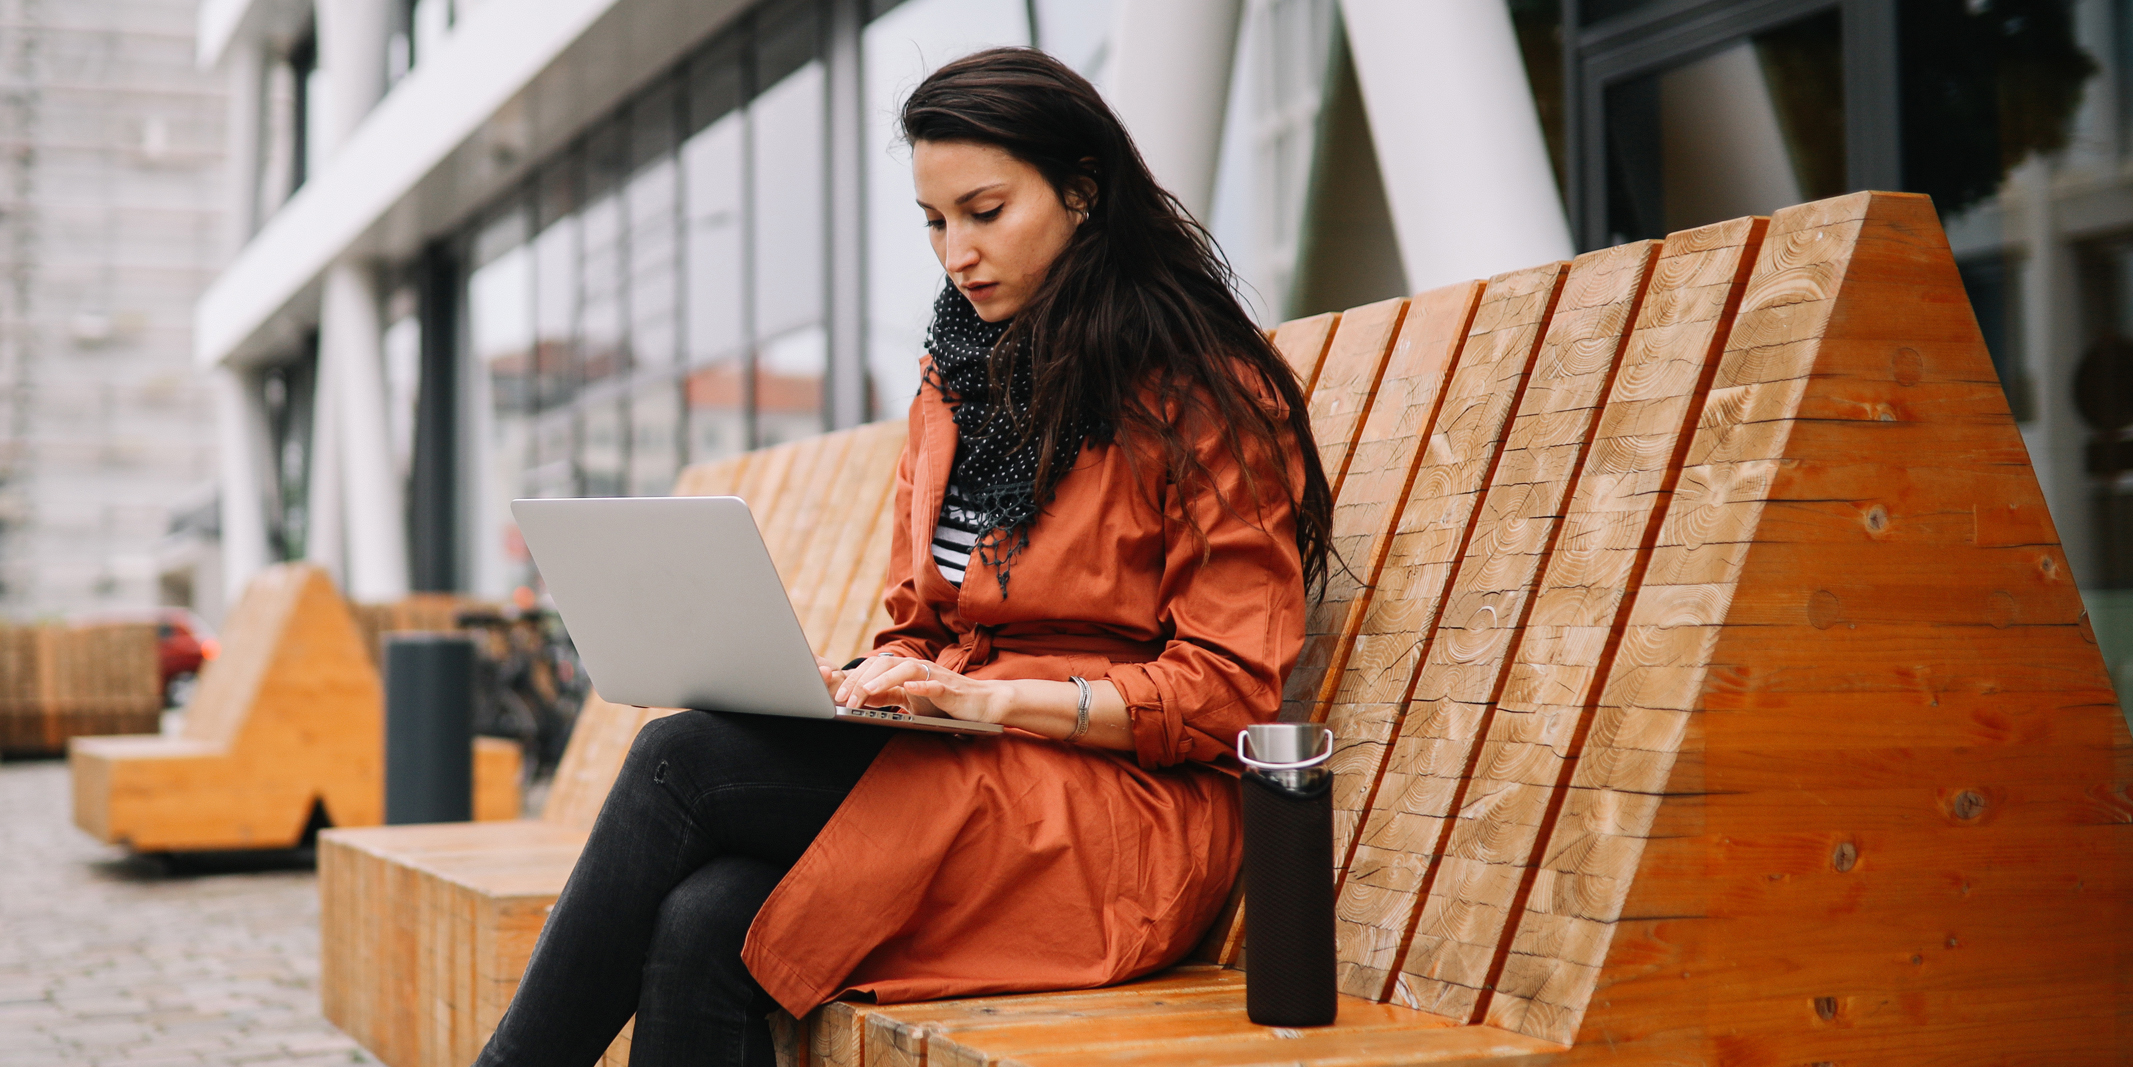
(958,867)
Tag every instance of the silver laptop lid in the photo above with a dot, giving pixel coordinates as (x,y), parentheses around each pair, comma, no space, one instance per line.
(673,603)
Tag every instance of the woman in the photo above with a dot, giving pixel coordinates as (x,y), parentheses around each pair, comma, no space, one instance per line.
(1107,513)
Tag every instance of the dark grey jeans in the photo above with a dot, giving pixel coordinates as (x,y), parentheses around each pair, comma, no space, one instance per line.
(709,811)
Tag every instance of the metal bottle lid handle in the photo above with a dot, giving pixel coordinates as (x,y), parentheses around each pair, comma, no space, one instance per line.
(1300,765)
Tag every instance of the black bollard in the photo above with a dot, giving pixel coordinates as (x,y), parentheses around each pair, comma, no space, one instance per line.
(429,728)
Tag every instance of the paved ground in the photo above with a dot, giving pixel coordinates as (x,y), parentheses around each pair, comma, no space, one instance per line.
(107,959)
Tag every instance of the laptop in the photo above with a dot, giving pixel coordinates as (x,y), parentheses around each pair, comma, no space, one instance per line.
(673,603)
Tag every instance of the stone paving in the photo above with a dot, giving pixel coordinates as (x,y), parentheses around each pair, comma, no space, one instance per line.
(109,959)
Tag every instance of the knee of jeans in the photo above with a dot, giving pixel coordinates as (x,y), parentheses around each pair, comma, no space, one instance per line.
(704,920)
(674,741)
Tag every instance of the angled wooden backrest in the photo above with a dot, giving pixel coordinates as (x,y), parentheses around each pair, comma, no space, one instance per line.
(1433,526)
(1432,758)
(1380,470)
(852,589)
(1303,342)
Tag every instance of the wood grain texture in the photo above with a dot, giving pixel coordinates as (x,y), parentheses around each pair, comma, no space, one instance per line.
(1380,471)
(865,484)
(1348,380)
(1426,776)
(1420,559)
(1303,342)
(1580,603)
(1852,799)
(290,714)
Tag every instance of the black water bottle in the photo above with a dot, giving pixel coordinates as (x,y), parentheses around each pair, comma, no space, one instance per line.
(1288,874)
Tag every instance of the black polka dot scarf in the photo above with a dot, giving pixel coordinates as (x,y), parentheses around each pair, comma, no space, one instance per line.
(995,470)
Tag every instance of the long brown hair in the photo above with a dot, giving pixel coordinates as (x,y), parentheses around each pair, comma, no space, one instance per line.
(1136,323)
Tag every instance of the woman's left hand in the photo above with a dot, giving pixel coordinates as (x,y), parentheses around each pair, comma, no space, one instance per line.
(923,688)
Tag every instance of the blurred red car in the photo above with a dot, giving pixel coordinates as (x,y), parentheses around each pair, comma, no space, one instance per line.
(184,641)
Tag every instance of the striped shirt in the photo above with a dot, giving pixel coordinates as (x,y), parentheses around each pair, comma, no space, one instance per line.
(954,536)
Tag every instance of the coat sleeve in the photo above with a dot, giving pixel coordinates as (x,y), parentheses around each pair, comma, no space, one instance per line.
(914,629)
(1233,607)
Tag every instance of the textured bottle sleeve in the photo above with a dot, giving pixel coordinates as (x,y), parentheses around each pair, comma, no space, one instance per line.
(1288,903)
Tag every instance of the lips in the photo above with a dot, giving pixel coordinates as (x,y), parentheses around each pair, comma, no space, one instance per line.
(980,290)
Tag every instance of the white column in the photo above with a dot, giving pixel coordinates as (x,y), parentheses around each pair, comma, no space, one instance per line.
(246,454)
(352,36)
(2058,438)
(352,369)
(324,532)
(244,65)
(1168,79)
(1459,144)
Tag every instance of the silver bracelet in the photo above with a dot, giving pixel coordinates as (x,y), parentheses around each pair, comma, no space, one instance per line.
(1081,711)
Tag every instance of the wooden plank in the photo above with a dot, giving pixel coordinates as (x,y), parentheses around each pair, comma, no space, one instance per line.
(901,1035)
(1842,861)
(1381,471)
(1303,343)
(1459,678)
(1348,381)
(1434,523)
(721,477)
(788,523)
(1581,601)
(873,465)
(291,712)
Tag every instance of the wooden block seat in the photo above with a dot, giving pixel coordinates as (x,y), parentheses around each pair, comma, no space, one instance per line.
(61,682)
(1707,681)
(286,729)
(445,917)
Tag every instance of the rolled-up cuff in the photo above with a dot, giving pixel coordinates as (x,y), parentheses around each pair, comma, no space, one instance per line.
(1158,728)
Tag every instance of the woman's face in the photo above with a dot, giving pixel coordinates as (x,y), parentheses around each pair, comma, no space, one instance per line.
(996,224)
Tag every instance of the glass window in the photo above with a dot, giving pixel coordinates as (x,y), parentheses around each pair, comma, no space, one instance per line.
(602,263)
(601,447)
(898,50)
(500,333)
(1745,131)
(555,272)
(786,246)
(554,471)
(652,202)
(714,309)
(717,428)
(655,438)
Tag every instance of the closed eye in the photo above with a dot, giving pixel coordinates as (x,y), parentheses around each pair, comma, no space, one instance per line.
(988,216)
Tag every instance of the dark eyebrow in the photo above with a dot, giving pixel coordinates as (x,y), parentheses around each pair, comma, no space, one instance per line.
(965,198)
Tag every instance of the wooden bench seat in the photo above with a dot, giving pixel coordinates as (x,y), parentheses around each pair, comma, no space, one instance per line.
(470,901)
(1708,686)
(286,730)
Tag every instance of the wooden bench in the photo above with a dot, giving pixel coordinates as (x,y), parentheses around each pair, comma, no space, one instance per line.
(285,732)
(62,682)
(1708,686)
(426,929)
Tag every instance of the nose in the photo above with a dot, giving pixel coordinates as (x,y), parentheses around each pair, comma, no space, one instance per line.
(961,254)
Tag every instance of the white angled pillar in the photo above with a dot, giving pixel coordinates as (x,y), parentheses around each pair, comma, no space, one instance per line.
(352,381)
(352,36)
(1458,140)
(1168,79)
(247,466)
(244,64)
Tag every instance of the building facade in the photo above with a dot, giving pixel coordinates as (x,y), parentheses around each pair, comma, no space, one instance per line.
(111,226)
(562,247)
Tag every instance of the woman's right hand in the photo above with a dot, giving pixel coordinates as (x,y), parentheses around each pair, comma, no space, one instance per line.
(850,689)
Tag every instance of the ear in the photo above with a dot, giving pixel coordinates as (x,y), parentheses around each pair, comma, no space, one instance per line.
(1079,196)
